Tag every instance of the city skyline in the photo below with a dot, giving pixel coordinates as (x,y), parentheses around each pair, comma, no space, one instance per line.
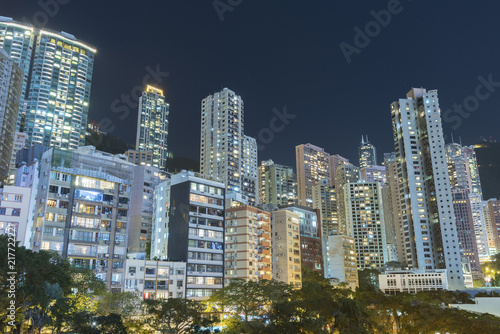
(323,74)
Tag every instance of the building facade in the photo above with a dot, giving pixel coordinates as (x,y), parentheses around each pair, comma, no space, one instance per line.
(325,200)
(188,226)
(392,283)
(428,221)
(17,40)
(82,210)
(155,279)
(225,152)
(367,153)
(145,179)
(152,125)
(313,166)
(276,184)
(11,81)
(286,247)
(19,143)
(365,223)
(247,243)
(340,260)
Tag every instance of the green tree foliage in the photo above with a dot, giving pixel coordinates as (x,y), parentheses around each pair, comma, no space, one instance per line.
(126,304)
(174,314)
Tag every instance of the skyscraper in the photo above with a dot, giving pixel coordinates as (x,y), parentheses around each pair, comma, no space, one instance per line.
(464,174)
(367,153)
(430,239)
(313,166)
(336,161)
(346,173)
(465,227)
(152,125)
(11,80)
(276,184)
(56,84)
(225,152)
(325,200)
(17,39)
(249,169)
(188,226)
(365,223)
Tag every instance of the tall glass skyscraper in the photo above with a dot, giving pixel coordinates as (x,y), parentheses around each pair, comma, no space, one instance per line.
(152,125)
(367,153)
(17,39)
(56,83)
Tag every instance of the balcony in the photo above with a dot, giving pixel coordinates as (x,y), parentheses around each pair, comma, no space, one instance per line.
(264,251)
(265,243)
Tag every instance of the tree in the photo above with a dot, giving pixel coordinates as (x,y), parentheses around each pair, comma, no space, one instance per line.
(174,314)
(368,279)
(126,304)
(41,278)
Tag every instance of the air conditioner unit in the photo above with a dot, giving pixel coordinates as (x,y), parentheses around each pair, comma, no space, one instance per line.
(38,229)
(106,255)
(40,214)
(44,187)
(45,173)
(36,243)
(42,200)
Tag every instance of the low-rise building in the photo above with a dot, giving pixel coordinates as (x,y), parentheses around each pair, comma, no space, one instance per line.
(394,282)
(155,279)
(16,213)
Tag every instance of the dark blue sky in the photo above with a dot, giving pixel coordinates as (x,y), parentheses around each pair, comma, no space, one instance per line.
(287,53)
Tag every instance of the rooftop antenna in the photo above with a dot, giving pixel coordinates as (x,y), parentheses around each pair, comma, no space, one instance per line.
(452,138)
(460,139)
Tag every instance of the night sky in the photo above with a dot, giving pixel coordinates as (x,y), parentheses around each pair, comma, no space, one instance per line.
(287,53)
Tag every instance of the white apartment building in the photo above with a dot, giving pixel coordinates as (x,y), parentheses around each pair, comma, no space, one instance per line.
(428,238)
(155,279)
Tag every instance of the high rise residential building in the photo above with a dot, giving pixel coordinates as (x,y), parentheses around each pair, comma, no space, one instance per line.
(488,163)
(390,230)
(17,40)
(19,142)
(430,239)
(188,226)
(145,179)
(325,200)
(365,223)
(82,210)
(313,166)
(276,184)
(286,247)
(249,183)
(340,260)
(374,174)
(56,83)
(465,227)
(247,243)
(225,152)
(367,153)
(346,173)
(11,80)
(464,174)
(311,243)
(57,104)
(492,219)
(152,125)
(336,161)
